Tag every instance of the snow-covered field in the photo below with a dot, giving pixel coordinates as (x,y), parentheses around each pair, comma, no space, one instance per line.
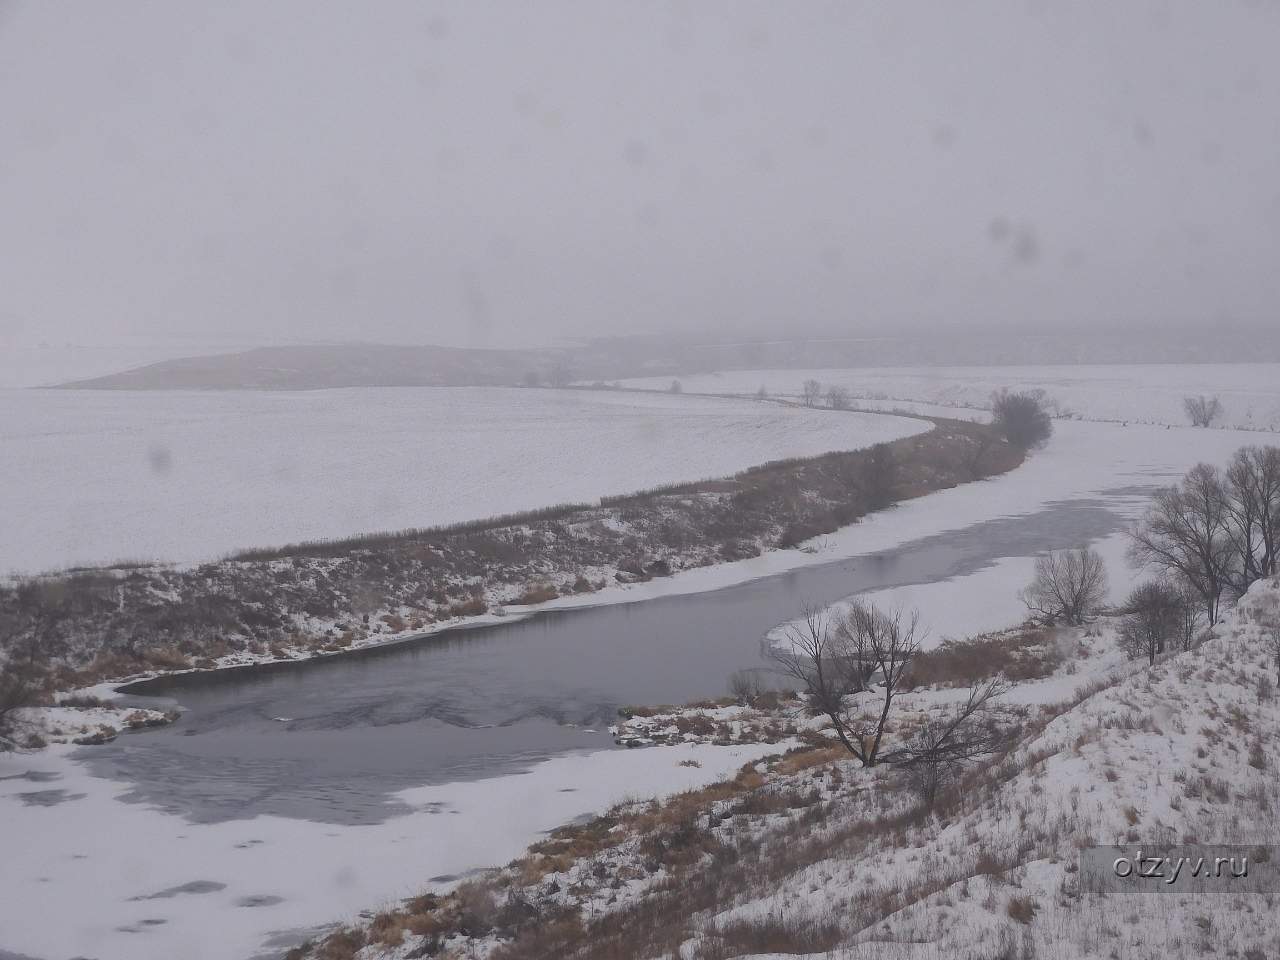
(1136,393)
(1103,463)
(95,477)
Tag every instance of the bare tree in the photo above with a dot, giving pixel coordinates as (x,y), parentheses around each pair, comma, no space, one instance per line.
(941,747)
(1151,619)
(1021,418)
(837,397)
(1252,484)
(676,387)
(1186,533)
(810,392)
(835,664)
(1069,587)
(762,393)
(1202,410)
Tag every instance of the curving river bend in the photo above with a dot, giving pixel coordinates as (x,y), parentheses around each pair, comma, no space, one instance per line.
(330,739)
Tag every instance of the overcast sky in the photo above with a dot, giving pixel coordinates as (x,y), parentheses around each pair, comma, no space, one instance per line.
(492,173)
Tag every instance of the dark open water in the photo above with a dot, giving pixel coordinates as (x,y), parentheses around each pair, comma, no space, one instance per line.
(479,701)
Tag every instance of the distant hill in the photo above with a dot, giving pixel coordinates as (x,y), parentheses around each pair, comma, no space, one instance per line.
(317,367)
(328,366)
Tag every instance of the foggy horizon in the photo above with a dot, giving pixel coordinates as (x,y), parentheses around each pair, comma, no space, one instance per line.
(492,176)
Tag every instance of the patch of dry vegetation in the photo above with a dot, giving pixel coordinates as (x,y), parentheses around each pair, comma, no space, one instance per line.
(1026,653)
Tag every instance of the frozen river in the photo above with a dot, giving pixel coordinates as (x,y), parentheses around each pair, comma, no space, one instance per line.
(313,790)
(333,739)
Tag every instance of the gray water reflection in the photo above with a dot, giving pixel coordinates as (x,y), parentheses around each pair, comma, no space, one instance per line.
(330,739)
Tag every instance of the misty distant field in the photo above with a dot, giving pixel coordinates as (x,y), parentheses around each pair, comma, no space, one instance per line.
(94,477)
(1138,393)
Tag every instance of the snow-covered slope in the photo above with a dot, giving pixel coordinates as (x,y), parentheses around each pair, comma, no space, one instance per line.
(1184,752)
(107,476)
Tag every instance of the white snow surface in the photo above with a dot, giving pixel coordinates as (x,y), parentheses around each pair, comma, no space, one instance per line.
(1180,752)
(1137,393)
(81,875)
(1105,462)
(103,476)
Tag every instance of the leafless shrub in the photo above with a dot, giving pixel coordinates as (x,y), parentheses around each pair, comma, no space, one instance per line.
(82,701)
(810,391)
(1202,410)
(1021,418)
(1152,617)
(1069,587)
(538,593)
(1022,909)
(837,397)
(747,686)
(942,746)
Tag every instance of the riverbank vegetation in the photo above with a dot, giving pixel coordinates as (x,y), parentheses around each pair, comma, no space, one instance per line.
(87,625)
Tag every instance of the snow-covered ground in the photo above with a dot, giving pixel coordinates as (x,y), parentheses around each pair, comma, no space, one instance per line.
(1137,393)
(98,852)
(1111,751)
(1106,463)
(96,477)
(77,843)
(86,874)
(1183,752)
